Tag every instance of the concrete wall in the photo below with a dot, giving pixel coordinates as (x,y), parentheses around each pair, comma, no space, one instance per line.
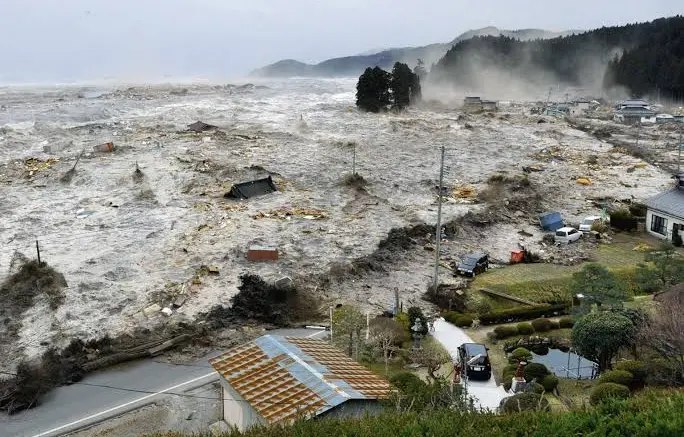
(668,228)
(237,411)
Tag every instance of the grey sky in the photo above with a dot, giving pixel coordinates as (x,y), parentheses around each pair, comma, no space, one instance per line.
(137,40)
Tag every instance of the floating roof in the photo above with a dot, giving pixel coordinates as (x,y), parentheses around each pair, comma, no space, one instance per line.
(285,378)
(200,126)
(257,187)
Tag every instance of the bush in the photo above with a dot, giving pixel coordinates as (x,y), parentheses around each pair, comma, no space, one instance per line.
(525,402)
(606,391)
(541,325)
(458,319)
(566,322)
(638,370)
(525,328)
(621,377)
(555,324)
(523,313)
(550,382)
(519,354)
(535,371)
(623,220)
(505,331)
(535,387)
(540,348)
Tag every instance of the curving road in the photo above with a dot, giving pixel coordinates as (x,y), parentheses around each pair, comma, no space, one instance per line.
(486,393)
(76,406)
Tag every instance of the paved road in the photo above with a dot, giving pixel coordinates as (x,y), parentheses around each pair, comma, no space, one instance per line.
(76,406)
(486,393)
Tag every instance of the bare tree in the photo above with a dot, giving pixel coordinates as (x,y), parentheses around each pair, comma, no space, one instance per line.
(432,355)
(664,333)
(387,335)
(348,322)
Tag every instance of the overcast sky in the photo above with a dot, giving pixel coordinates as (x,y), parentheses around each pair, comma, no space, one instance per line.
(138,40)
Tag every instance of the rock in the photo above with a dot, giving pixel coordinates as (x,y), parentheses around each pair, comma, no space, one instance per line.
(180,300)
(284,282)
(167,311)
(429,247)
(214,270)
(152,310)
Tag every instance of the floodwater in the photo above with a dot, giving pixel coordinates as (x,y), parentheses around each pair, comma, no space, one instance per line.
(124,245)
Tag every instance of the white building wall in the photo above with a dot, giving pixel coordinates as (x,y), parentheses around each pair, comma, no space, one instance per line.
(668,227)
(238,412)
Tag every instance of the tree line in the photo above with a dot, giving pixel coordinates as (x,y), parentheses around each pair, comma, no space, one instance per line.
(378,90)
(644,57)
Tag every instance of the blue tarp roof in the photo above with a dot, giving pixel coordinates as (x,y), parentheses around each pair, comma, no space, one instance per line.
(551,221)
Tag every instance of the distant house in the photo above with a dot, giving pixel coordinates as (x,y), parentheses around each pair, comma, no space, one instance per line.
(276,379)
(633,103)
(632,114)
(665,211)
(472,104)
(489,105)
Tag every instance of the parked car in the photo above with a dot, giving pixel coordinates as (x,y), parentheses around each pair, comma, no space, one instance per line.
(588,222)
(473,263)
(566,235)
(474,360)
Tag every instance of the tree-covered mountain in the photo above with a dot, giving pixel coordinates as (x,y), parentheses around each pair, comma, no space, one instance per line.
(355,65)
(639,56)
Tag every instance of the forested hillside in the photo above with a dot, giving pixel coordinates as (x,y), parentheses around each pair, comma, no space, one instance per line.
(641,57)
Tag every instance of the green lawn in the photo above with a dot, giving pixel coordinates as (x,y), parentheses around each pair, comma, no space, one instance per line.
(550,282)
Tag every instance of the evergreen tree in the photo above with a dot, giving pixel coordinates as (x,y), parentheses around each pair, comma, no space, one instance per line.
(373,90)
(405,86)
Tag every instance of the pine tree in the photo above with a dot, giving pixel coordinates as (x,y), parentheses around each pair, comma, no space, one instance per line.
(373,90)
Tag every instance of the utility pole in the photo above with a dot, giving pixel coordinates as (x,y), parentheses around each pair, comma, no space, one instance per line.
(331,324)
(354,161)
(438,232)
(548,97)
(367,325)
(679,152)
(38,251)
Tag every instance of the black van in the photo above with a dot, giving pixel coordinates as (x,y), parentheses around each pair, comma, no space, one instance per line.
(473,264)
(475,360)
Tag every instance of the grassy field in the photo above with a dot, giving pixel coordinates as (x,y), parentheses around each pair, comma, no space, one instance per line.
(550,282)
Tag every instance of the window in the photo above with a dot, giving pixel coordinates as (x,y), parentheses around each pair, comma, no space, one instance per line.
(658,224)
(572,231)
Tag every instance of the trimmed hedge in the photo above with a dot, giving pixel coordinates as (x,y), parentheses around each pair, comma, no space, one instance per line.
(523,313)
(566,322)
(525,328)
(542,325)
(458,319)
(524,402)
(623,220)
(550,382)
(602,392)
(535,371)
(505,331)
(519,354)
(638,369)
(621,377)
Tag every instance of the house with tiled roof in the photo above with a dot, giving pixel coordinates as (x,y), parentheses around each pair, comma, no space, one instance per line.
(276,379)
(665,211)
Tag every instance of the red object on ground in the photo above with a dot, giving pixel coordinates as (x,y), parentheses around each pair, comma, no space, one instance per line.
(517,256)
(262,253)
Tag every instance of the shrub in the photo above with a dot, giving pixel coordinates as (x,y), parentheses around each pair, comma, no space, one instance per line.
(525,328)
(505,331)
(606,391)
(623,220)
(638,370)
(599,226)
(621,377)
(555,324)
(520,354)
(541,325)
(523,313)
(566,322)
(458,319)
(525,402)
(550,382)
(535,387)
(535,371)
(540,348)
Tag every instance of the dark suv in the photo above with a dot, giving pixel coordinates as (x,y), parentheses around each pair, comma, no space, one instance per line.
(475,360)
(473,263)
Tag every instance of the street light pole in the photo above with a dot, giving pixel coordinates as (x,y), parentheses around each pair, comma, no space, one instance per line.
(438,232)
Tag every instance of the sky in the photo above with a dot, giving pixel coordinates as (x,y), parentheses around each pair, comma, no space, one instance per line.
(57,41)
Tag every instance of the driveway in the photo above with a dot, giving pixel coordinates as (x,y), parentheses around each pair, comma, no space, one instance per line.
(487,394)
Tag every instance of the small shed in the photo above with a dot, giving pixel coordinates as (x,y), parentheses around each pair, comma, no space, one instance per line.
(262,253)
(277,380)
(257,187)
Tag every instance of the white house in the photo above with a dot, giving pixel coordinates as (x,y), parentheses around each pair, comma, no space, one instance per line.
(665,211)
(275,379)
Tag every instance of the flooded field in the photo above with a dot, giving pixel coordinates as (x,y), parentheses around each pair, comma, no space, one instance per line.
(130,244)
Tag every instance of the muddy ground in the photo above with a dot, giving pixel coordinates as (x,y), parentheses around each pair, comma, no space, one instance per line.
(130,245)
